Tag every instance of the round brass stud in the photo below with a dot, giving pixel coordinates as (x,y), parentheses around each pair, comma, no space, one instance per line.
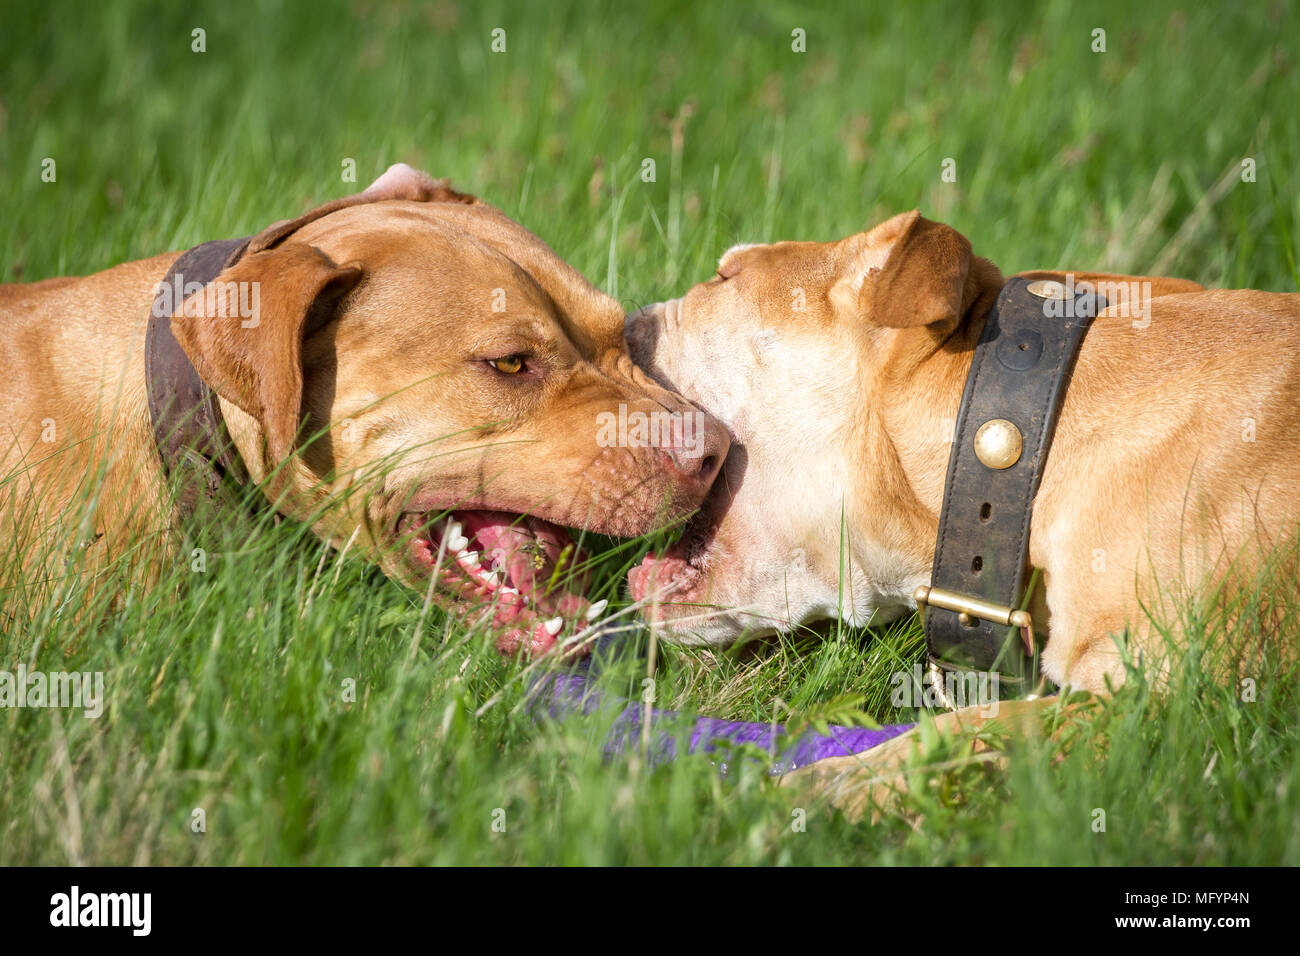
(1047,289)
(998,444)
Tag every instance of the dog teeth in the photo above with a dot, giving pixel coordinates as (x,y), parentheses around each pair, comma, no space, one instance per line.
(492,577)
(597,609)
(468,558)
(553,625)
(456,540)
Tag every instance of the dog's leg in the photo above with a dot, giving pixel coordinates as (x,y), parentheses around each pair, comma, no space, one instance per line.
(869,782)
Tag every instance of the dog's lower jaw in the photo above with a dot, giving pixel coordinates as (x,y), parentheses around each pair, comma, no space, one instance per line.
(490,558)
(685,600)
(721,627)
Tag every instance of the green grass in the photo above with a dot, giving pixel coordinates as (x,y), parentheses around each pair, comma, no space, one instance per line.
(225,688)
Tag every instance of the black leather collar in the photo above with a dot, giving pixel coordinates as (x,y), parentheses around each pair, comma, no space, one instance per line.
(195,447)
(1009,409)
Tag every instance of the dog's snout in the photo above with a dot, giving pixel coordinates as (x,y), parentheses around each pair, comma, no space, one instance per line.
(699,444)
(698,457)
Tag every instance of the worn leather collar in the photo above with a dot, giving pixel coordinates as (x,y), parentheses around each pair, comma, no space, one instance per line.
(1009,409)
(189,430)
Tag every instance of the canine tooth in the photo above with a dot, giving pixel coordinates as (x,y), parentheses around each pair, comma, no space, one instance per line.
(492,577)
(457,542)
(597,609)
(469,558)
(553,625)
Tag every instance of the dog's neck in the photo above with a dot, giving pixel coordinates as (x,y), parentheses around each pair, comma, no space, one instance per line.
(922,377)
(189,429)
(905,432)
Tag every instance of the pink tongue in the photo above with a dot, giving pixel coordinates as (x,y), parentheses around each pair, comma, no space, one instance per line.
(527,550)
(493,531)
(654,576)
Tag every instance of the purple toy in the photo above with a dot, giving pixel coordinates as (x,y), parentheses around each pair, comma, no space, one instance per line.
(561,695)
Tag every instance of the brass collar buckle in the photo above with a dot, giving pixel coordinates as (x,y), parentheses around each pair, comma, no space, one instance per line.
(968,608)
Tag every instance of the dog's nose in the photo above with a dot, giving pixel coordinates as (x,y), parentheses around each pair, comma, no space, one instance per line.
(697,453)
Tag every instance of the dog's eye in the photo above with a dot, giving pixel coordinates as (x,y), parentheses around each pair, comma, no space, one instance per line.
(510,365)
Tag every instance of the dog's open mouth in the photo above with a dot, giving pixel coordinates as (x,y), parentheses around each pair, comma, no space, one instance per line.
(527,574)
(673,583)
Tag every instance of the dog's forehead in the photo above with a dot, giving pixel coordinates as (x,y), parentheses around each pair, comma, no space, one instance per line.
(768,289)
(598,314)
(778,261)
(726,259)
(492,261)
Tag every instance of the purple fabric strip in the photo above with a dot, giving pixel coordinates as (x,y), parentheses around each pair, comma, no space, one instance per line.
(562,695)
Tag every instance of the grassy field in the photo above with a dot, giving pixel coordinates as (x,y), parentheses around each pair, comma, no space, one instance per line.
(225,690)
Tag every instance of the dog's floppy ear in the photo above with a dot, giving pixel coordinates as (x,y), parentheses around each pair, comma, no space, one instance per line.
(257,362)
(914,272)
(400,181)
(244,333)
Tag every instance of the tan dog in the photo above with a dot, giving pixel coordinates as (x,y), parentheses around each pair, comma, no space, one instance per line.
(450,368)
(839,367)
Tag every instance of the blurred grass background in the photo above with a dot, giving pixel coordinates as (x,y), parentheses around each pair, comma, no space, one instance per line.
(228,698)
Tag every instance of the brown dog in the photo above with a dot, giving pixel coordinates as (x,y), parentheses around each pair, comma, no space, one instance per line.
(839,368)
(423,376)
